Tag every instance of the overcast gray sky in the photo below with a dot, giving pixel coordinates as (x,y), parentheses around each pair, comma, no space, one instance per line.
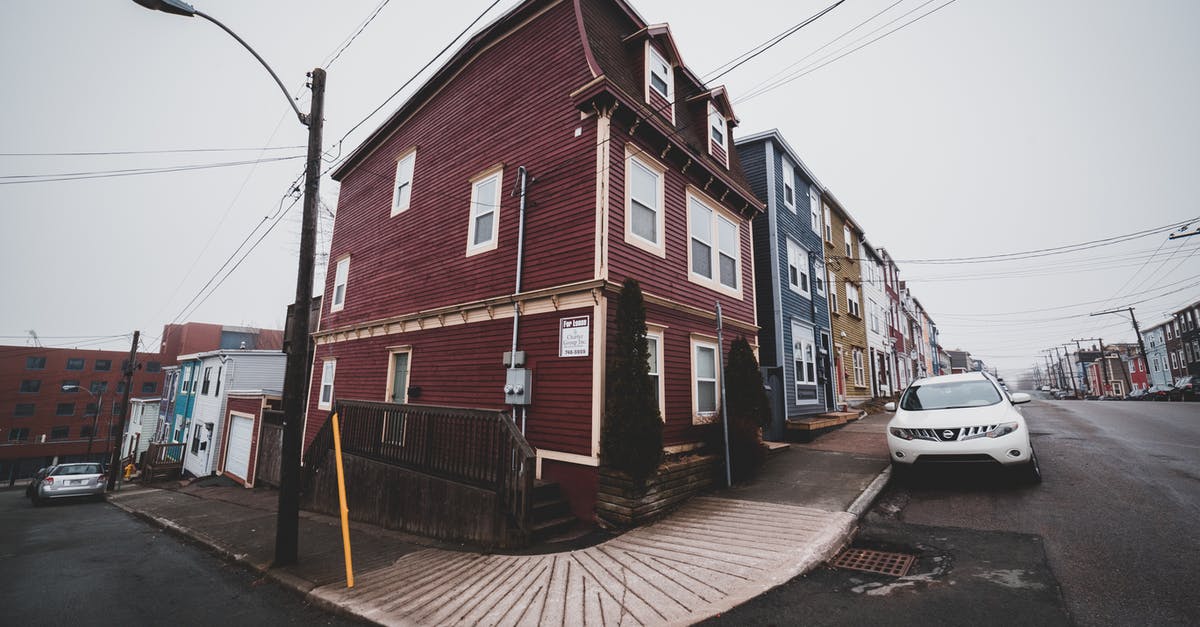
(984,128)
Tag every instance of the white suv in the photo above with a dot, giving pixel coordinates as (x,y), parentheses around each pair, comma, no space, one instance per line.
(960,418)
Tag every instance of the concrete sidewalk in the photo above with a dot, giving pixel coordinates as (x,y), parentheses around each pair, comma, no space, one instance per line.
(703,559)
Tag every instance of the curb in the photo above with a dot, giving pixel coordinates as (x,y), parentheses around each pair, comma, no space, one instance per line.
(305,588)
(867,498)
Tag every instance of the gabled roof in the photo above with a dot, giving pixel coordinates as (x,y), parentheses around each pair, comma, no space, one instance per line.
(606,29)
(721,99)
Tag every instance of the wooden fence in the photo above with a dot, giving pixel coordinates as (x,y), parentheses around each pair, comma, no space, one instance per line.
(270,445)
(479,448)
(163,460)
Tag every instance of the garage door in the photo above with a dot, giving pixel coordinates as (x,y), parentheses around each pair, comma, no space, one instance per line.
(237,459)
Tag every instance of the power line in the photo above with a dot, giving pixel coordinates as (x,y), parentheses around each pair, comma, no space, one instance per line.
(750,92)
(351,39)
(822,63)
(419,72)
(164,151)
(1042,252)
(770,43)
(77,176)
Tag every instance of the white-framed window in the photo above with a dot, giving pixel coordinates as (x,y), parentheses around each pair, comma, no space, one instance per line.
(1174,364)
(804,364)
(814,208)
(654,359)
(717,128)
(340,275)
(789,184)
(715,249)
(644,200)
(705,393)
(797,260)
(860,377)
(852,303)
(873,313)
(485,210)
(828,225)
(833,293)
(846,237)
(399,367)
(1156,365)
(325,400)
(660,82)
(819,277)
(402,189)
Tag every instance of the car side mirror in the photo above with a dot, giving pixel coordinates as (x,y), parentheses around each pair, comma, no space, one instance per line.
(1020,397)
(889,407)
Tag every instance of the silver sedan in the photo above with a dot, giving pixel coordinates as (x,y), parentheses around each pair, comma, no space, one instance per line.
(65,480)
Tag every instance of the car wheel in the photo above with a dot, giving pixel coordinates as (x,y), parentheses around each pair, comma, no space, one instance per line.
(1031,473)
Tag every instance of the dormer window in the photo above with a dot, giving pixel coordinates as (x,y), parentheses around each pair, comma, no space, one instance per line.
(716,126)
(660,83)
(717,134)
(660,75)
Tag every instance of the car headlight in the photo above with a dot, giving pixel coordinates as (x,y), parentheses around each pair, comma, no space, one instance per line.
(1001,429)
(903,434)
(913,434)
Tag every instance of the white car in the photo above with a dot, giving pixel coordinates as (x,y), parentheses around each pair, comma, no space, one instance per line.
(960,418)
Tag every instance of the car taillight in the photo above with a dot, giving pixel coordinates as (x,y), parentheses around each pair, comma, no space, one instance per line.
(49,481)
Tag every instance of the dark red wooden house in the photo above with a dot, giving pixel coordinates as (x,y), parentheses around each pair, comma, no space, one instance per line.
(629,174)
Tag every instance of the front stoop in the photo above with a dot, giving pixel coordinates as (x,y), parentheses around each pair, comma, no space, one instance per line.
(551,513)
(822,421)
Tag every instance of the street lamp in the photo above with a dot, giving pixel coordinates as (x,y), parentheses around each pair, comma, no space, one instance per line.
(99,398)
(287,526)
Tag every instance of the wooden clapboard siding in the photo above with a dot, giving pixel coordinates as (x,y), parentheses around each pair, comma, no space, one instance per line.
(462,366)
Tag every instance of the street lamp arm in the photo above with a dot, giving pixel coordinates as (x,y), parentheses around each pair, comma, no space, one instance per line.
(303,118)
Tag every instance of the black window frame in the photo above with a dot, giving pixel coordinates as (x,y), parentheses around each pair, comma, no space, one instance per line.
(31,386)
(35,363)
(73,360)
(58,409)
(18,434)
(107,365)
(153,366)
(149,387)
(59,432)
(24,410)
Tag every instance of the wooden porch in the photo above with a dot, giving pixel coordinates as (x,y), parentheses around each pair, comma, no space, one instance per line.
(163,462)
(449,473)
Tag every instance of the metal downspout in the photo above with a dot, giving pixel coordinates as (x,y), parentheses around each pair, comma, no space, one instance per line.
(523,174)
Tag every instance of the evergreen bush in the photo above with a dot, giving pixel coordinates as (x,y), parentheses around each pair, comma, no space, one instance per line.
(631,437)
(749,411)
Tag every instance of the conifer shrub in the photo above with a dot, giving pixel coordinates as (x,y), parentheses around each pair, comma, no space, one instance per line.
(631,437)
(749,410)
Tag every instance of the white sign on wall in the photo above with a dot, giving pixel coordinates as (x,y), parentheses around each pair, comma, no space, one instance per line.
(574,336)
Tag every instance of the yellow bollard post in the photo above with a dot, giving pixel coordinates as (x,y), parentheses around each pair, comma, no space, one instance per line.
(337,452)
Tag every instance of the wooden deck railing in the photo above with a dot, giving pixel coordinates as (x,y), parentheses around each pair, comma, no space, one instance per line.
(163,460)
(482,448)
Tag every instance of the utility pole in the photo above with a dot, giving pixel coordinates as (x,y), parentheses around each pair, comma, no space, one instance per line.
(295,371)
(114,468)
(1136,331)
(287,528)
(1049,370)
(1067,352)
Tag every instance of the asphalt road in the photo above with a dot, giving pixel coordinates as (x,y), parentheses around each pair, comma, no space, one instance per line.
(1117,510)
(1109,538)
(89,563)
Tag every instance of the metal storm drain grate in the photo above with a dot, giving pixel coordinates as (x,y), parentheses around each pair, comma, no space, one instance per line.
(867,560)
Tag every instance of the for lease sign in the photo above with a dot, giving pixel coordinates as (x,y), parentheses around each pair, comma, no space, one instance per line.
(574,336)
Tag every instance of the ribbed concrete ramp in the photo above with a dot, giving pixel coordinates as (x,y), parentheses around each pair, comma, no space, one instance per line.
(704,559)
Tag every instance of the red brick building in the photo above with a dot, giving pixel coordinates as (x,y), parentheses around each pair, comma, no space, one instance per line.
(628,175)
(39,421)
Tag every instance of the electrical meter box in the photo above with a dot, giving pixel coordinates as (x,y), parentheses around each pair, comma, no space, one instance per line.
(518,385)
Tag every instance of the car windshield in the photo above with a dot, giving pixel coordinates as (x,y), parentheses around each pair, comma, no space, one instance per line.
(949,395)
(77,469)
